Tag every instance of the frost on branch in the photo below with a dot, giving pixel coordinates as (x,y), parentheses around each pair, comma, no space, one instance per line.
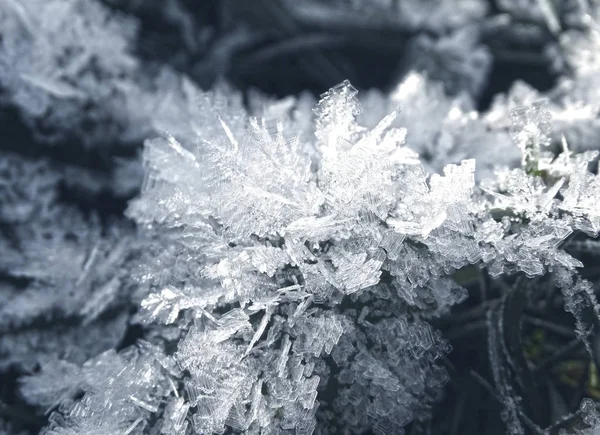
(442,129)
(121,391)
(279,267)
(54,56)
(68,68)
(289,244)
(59,269)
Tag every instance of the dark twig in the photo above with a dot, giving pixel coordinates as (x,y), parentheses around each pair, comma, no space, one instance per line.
(292,46)
(558,356)
(549,326)
(486,385)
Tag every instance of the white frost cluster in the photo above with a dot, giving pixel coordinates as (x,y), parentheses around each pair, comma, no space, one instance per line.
(266,253)
(286,261)
(66,279)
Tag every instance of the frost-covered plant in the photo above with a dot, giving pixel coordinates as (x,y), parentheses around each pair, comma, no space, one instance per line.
(269,246)
(442,129)
(290,264)
(62,271)
(56,58)
(68,67)
(278,271)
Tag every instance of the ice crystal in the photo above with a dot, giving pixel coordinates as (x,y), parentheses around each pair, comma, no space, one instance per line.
(290,243)
(53,60)
(121,391)
(288,262)
(60,266)
(457,60)
(450,129)
(264,249)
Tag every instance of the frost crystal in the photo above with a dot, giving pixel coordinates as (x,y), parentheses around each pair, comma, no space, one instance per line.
(282,256)
(531,128)
(70,270)
(273,265)
(289,243)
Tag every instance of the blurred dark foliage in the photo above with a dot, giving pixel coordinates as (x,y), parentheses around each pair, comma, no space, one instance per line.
(264,45)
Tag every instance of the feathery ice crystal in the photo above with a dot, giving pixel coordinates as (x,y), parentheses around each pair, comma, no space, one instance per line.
(288,263)
(279,269)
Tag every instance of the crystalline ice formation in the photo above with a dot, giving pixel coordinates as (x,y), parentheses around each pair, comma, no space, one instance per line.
(271,261)
(441,129)
(54,60)
(121,391)
(457,60)
(68,68)
(288,243)
(60,266)
(372,209)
